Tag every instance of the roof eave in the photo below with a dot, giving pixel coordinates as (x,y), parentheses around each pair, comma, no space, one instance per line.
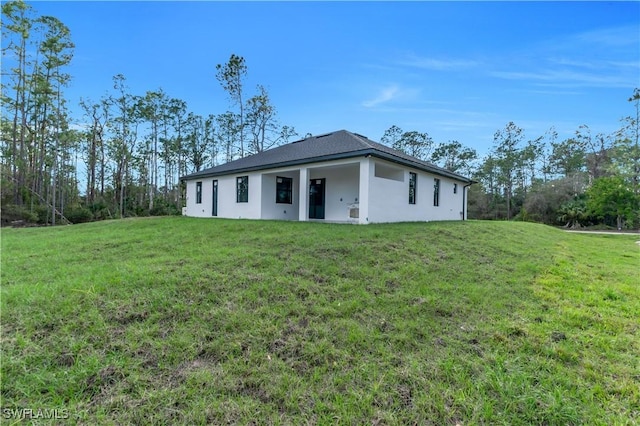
(351,154)
(321,159)
(424,167)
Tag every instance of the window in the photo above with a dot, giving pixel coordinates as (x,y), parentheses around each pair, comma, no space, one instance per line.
(436,192)
(198,192)
(284,189)
(242,189)
(413,180)
(455,188)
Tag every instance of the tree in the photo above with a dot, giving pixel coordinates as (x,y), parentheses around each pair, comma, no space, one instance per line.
(209,139)
(597,152)
(572,213)
(508,159)
(455,157)
(227,134)
(153,109)
(231,76)
(57,51)
(17,22)
(286,133)
(486,198)
(260,121)
(550,137)
(98,115)
(391,136)
(412,143)
(611,198)
(415,144)
(544,199)
(529,161)
(567,157)
(199,140)
(124,125)
(174,150)
(37,145)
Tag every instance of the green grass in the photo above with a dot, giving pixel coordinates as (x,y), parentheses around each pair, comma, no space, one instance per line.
(191,321)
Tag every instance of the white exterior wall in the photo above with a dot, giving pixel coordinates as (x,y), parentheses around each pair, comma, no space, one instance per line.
(389,198)
(366,174)
(450,207)
(303,192)
(203,209)
(273,210)
(227,205)
(347,182)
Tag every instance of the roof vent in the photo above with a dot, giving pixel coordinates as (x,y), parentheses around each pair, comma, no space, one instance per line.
(324,136)
(303,139)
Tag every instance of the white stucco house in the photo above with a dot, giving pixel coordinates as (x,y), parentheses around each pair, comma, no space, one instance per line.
(335,177)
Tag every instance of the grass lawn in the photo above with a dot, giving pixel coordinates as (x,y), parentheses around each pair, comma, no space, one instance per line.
(195,321)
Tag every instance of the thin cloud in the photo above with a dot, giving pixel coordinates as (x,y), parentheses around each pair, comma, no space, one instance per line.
(575,63)
(600,58)
(385,95)
(625,64)
(622,36)
(391,93)
(560,92)
(565,78)
(437,64)
(595,44)
(596,64)
(462,124)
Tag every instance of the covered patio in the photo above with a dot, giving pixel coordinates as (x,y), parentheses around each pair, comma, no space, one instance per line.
(328,192)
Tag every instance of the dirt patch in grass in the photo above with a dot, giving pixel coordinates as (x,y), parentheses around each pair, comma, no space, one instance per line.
(289,346)
(182,372)
(65,360)
(98,385)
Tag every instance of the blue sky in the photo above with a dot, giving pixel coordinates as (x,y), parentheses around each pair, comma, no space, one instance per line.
(456,70)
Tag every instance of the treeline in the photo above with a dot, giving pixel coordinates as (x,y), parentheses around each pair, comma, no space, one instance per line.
(583,180)
(124,153)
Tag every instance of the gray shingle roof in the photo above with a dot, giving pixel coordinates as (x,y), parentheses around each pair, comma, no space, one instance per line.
(330,146)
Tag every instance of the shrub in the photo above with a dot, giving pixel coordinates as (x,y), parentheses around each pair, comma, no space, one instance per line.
(165,209)
(100,210)
(78,214)
(12,213)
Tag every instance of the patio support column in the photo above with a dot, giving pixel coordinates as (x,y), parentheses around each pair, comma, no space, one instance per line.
(363,189)
(303,195)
